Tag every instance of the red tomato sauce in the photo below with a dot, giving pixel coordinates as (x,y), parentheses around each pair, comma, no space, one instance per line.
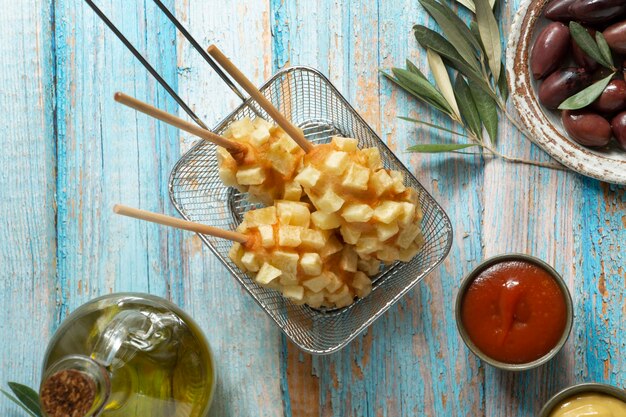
(514,312)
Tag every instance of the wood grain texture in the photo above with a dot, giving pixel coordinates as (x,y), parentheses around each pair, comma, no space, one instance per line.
(71,152)
(27,181)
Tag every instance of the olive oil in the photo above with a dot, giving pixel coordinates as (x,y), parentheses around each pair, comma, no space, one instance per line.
(140,356)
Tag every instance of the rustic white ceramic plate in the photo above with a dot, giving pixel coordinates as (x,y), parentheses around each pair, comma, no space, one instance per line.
(606,164)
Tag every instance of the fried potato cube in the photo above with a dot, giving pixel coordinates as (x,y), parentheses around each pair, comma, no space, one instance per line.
(282,161)
(267,274)
(373,158)
(250,176)
(371,266)
(329,202)
(408,213)
(235,253)
(325,221)
(294,292)
(380,182)
(312,299)
(260,122)
(293,191)
(293,213)
(266,232)
(318,283)
(345,144)
(228,176)
(336,162)
(350,234)
(367,245)
(240,129)
(388,253)
(349,259)
(334,283)
(357,177)
(285,142)
(287,262)
(265,215)
(250,261)
(312,239)
(407,235)
(387,211)
(332,246)
(357,213)
(409,253)
(311,263)
(288,279)
(398,182)
(308,177)
(360,281)
(386,231)
(260,135)
(342,293)
(365,291)
(289,236)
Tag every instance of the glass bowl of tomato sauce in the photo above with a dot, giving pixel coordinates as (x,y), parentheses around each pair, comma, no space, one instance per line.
(514,312)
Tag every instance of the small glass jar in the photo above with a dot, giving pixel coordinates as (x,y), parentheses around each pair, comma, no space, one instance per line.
(128,355)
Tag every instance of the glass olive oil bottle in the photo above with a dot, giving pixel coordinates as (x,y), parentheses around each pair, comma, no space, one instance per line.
(128,355)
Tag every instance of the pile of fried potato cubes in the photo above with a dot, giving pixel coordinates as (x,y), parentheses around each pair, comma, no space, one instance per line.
(335,215)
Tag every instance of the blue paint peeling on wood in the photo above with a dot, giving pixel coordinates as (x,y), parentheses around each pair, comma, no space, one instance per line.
(78,153)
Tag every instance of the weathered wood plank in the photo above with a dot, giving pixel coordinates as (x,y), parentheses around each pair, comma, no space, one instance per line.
(401,366)
(600,267)
(27,181)
(110,154)
(246,342)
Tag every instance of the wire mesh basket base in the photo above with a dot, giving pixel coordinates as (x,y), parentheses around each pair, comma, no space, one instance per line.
(311,102)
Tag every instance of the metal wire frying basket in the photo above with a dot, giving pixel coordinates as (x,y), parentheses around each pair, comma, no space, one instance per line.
(311,102)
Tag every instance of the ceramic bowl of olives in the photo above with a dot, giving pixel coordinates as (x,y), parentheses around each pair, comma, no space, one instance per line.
(566,66)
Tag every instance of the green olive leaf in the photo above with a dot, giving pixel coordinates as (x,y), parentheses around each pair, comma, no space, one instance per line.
(440,73)
(503,85)
(490,35)
(429,39)
(586,96)
(419,93)
(439,147)
(420,85)
(470,4)
(434,126)
(603,46)
(487,110)
(413,68)
(587,43)
(468,106)
(455,30)
(27,396)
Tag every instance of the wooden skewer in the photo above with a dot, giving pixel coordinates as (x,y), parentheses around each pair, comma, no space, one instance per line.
(179,223)
(246,84)
(232,146)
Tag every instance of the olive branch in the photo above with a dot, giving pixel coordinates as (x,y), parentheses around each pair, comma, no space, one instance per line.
(479,91)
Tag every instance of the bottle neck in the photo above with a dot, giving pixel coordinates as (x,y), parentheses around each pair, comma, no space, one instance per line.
(75,386)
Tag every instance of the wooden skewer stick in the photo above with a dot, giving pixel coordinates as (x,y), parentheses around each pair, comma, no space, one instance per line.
(232,146)
(246,84)
(179,223)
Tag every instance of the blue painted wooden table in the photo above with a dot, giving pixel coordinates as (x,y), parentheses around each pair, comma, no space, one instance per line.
(69,153)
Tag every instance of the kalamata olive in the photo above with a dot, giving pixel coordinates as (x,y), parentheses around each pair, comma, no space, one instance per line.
(600,73)
(612,99)
(587,128)
(559,10)
(562,84)
(619,129)
(615,36)
(550,49)
(597,11)
(581,57)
